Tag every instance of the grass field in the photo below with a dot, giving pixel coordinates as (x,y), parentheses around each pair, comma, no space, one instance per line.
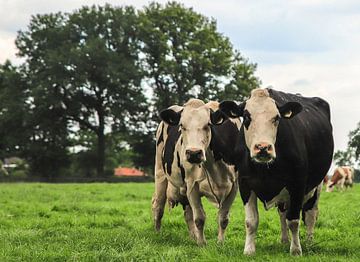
(112,222)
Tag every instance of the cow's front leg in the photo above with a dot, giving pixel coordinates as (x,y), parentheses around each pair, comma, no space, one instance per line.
(293,220)
(223,215)
(284,228)
(198,213)
(188,215)
(251,224)
(159,198)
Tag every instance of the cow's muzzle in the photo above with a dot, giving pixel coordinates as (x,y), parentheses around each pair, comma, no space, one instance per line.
(263,153)
(194,156)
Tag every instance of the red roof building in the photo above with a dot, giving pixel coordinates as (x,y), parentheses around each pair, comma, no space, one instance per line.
(127,171)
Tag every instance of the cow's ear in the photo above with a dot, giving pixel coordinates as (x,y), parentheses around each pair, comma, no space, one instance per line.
(217,117)
(290,109)
(231,109)
(170,116)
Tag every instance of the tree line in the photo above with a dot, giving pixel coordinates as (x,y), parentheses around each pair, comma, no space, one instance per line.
(86,96)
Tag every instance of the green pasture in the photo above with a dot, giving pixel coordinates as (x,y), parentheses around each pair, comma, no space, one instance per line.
(112,222)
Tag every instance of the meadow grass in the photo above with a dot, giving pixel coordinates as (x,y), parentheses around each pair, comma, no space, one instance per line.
(112,222)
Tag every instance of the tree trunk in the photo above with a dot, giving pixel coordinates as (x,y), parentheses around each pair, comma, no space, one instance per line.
(101,146)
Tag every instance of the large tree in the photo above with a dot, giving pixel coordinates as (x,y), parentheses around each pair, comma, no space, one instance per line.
(185,56)
(87,63)
(14,111)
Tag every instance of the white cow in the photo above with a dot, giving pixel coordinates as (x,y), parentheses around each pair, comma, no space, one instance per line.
(193,147)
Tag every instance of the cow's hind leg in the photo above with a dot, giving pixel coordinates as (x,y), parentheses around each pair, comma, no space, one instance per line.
(310,213)
(223,215)
(293,218)
(284,228)
(159,199)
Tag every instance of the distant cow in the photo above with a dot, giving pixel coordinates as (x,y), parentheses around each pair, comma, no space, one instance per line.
(343,176)
(286,147)
(193,147)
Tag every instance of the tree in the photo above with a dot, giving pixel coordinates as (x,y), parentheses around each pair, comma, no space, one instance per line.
(185,56)
(87,63)
(354,141)
(351,154)
(14,109)
(344,158)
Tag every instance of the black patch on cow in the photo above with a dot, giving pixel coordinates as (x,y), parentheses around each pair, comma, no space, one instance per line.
(184,201)
(311,202)
(281,207)
(223,142)
(169,148)
(309,205)
(182,170)
(224,223)
(161,137)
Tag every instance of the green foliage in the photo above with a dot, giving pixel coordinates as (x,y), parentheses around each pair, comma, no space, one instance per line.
(112,222)
(351,154)
(354,141)
(14,109)
(185,56)
(344,158)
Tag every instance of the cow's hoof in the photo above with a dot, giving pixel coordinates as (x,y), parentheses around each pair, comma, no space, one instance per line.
(201,243)
(249,251)
(285,241)
(296,251)
(309,238)
(157,226)
(220,241)
(192,235)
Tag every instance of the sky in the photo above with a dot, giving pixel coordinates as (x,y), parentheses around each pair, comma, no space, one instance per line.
(311,47)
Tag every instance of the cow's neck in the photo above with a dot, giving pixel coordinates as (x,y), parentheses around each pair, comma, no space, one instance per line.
(218,171)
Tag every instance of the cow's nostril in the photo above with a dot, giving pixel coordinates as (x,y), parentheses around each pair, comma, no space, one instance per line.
(263,147)
(194,156)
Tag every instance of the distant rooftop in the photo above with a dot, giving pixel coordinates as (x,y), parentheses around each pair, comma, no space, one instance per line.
(128,171)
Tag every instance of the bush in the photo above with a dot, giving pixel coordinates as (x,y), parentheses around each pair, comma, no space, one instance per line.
(19,174)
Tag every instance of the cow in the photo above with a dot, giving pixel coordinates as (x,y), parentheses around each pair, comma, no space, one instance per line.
(193,149)
(285,150)
(342,177)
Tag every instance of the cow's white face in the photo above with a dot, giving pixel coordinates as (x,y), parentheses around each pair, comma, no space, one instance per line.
(194,120)
(261,117)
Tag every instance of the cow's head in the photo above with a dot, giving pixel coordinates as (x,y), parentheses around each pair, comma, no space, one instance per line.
(194,120)
(261,117)
(330,186)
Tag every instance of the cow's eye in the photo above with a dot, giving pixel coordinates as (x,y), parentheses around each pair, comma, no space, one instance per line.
(247,120)
(276,119)
(182,127)
(206,127)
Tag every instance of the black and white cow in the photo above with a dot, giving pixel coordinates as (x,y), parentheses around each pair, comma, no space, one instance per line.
(285,150)
(192,153)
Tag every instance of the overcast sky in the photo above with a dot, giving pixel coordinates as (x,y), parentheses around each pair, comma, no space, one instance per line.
(310,47)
